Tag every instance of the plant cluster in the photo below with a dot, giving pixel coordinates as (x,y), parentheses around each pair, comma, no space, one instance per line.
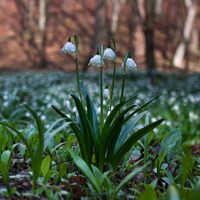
(97,142)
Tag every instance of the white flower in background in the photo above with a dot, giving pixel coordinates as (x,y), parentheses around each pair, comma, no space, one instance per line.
(5,103)
(106,93)
(69,48)
(43,117)
(109,54)
(130,64)
(96,60)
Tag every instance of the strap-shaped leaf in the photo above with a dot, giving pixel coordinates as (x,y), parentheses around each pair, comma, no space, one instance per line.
(51,127)
(86,127)
(92,116)
(39,150)
(112,142)
(91,109)
(77,132)
(130,115)
(53,133)
(130,141)
(107,140)
(128,130)
(128,178)
(104,134)
(113,114)
(84,168)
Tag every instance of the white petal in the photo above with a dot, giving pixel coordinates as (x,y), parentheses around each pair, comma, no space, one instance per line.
(69,48)
(130,64)
(109,54)
(96,60)
(106,93)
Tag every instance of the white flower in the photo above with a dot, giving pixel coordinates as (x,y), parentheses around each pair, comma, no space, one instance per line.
(109,54)
(96,60)
(130,64)
(69,48)
(106,93)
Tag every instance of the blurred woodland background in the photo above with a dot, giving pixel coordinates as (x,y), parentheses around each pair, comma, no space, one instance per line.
(161,34)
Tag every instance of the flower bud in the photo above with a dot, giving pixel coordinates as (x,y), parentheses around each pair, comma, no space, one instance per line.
(106,93)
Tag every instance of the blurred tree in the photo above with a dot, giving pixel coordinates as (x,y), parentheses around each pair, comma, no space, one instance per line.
(183,48)
(42,22)
(158,7)
(99,30)
(149,35)
(115,16)
(30,15)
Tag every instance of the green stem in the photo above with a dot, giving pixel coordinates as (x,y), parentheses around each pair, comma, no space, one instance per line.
(101,96)
(146,147)
(77,72)
(113,82)
(122,91)
(101,47)
(124,72)
(77,75)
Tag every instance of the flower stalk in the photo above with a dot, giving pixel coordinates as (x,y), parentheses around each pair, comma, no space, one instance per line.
(124,72)
(114,70)
(77,72)
(101,47)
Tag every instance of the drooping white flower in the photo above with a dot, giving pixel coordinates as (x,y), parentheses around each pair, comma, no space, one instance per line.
(130,64)
(96,60)
(109,54)
(69,48)
(106,93)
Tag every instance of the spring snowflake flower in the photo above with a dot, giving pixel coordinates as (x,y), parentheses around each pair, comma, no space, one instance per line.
(69,48)
(96,60)
(130,64)
(106,93)
(109,54)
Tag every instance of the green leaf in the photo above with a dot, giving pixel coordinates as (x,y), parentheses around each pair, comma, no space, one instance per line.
(130,141)
(5,156)
(22,149)
(4,172)
(51,127)
(86,127)
(130,115)
(63,169)
(49,135)
(128,130)
(3,138)
(22,137)
(77,132)
(114,113)
(187,166)
(172,193)
(149,193)
(154,183)
(128,178)
(39,151)
(45,165)
(92,116)
(169,142)
(81,164)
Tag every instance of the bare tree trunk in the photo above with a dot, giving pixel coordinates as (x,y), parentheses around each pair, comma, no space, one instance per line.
(158,7)
(194,42)
(42,15)
(183,48)
(30,15)
(115,16)
(99,30)
(43,5)
(149,35)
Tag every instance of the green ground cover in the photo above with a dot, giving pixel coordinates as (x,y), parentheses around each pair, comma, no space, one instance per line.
(158,164)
